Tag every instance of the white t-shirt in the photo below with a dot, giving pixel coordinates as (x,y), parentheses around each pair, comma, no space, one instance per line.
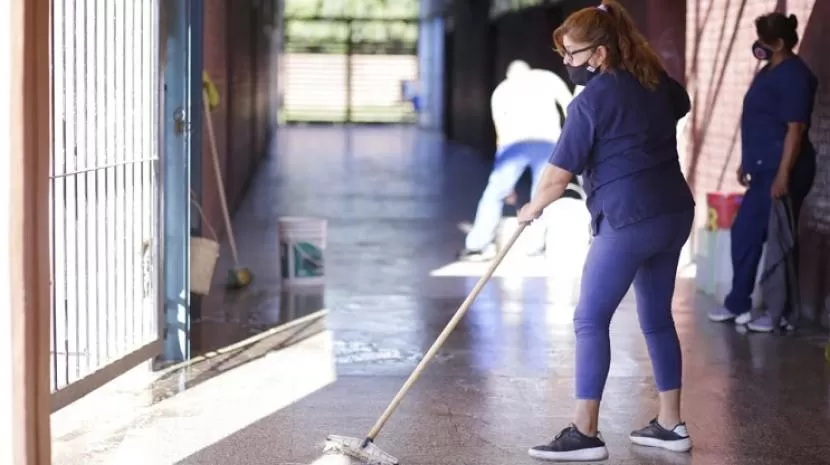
(525,107)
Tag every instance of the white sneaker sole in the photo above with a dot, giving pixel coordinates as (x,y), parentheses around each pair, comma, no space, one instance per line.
(744,318)
(721,317)
(583,455)
(768,329)
(681,445)
(759,329)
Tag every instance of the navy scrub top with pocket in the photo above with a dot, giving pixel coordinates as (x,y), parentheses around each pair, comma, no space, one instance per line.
(778,96)
(622,137)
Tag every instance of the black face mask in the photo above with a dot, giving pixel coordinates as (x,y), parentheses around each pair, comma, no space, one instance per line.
(761,51)
(580,75)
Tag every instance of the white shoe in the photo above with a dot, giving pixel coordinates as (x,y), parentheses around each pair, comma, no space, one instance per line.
(721,315)
(743,318)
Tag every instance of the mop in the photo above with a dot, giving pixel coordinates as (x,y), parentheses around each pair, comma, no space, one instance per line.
(238,276)
(365,449)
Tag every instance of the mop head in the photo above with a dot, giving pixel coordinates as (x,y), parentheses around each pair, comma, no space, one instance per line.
(239,278)
(353,447)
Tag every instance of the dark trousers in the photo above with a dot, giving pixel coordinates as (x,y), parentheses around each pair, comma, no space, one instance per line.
(749,231)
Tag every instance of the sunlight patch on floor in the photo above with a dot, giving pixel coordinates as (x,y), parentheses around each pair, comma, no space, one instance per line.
(174,429)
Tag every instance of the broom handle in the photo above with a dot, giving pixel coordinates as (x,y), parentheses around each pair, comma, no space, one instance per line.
(220,185)
(459,314)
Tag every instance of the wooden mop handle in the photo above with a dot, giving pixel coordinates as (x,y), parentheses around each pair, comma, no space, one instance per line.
(459,314)
(217,172)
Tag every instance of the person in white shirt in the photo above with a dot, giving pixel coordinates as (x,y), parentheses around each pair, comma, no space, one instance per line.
(526,114)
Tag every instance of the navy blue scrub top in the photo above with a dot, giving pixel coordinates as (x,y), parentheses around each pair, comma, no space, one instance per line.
(777,96)
(622,137)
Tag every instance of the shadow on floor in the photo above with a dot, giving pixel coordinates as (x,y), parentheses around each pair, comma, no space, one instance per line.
(222,358)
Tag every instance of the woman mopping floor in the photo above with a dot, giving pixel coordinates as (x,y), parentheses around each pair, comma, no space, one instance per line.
(621,132)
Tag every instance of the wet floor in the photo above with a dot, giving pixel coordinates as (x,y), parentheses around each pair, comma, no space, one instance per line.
(503,382)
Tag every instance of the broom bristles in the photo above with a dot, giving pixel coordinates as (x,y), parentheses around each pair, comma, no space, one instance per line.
(370,455)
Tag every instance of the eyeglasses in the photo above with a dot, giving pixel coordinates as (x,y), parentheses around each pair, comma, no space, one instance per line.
(569,54)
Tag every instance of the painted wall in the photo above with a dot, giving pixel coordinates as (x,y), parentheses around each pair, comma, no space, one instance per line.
(431,72)
(239,50)
(469,68)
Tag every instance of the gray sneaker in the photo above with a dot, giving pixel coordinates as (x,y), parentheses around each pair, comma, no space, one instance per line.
(762,324)
(721,315)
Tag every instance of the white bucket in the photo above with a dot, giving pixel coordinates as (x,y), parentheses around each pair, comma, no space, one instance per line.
(203,255)
(302,249)
(714,266)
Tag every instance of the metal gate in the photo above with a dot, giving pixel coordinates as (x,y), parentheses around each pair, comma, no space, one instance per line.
(104,205)
(348,70)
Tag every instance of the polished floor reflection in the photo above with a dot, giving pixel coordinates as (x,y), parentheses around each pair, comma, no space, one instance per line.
(394,198)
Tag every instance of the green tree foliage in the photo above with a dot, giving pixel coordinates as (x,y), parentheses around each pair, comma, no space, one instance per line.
(391,22)
(500,7)
(380,9)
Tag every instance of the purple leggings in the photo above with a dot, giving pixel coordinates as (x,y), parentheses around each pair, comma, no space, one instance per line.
(645,254)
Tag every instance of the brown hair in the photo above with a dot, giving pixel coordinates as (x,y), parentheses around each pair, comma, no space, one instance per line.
(611,25)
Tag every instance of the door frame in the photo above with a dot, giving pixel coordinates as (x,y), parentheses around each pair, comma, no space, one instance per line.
(28,233)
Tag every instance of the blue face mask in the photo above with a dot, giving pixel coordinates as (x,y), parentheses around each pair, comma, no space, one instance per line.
(761,51)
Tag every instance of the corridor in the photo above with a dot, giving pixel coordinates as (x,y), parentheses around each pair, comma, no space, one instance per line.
(395,198)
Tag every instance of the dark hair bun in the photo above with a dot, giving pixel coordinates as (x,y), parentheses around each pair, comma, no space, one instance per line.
(793,21)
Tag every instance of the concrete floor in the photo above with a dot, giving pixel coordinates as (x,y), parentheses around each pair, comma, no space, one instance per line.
(394,199)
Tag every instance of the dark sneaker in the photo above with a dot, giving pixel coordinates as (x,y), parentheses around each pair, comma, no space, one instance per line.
(654,435)
(478,255)
(571,446)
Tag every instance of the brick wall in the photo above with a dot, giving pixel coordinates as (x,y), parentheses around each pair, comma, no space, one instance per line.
(719,67)
(237,50)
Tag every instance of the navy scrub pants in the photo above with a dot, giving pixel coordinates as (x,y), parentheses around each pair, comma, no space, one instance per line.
(645,254)
(749,230)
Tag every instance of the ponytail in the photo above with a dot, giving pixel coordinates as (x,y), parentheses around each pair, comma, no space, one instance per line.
(610,25)
(635,54)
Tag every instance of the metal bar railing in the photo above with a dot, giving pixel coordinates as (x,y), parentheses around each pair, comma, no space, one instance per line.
(104,219)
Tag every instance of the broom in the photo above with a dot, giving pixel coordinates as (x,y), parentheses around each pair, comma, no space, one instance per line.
(364,449)
(238,276)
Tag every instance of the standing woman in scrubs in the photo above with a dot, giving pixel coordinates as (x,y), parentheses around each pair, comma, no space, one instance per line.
(620,134)
(778,160)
